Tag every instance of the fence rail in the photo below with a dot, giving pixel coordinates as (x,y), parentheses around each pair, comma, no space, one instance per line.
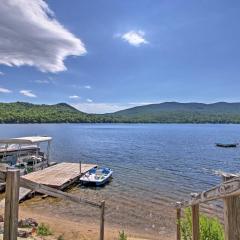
(14,182)
(229,192)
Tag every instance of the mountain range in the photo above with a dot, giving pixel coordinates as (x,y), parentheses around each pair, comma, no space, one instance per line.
(168,112)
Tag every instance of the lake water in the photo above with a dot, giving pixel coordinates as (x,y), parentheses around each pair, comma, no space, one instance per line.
(154,165)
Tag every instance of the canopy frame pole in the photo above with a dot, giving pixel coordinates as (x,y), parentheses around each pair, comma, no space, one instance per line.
(48,152)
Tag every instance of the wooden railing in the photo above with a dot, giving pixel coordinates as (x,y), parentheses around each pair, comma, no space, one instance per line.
(14,182)
(229,192)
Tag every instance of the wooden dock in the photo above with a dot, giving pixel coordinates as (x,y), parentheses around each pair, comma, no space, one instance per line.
(60,175)
(23,192)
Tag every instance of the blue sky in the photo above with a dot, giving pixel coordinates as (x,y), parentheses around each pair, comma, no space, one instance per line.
(107,55)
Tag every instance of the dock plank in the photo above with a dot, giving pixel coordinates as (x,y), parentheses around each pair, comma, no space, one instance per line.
(59,175)
(23,192)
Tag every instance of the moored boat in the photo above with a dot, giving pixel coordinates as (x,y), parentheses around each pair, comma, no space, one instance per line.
(97,176)
(24,153)
(229,145)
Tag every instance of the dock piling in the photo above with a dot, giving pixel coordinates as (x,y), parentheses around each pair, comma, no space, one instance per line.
(80,167)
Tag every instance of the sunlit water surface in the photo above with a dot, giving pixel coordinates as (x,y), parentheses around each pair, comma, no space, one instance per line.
(154,165)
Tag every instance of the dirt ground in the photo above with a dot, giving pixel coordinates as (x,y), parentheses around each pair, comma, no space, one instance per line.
(71,230)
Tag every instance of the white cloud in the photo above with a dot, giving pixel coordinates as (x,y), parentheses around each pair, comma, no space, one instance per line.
(87,87)
(42,81)
(89,100)
(1,73)
(31,35)
(28,93)
(97,107)
(74,97)
(105,107)
(4,90)
(135,38)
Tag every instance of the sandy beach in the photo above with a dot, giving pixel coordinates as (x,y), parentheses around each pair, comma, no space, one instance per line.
(83,230)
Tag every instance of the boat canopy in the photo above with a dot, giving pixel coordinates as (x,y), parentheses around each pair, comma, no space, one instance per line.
(26,140)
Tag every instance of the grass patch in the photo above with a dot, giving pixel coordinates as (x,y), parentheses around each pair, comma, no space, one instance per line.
(60,237)
(210,228)
(43,230)
(122,236)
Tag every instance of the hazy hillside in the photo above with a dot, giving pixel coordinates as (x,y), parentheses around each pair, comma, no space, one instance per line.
(185,107)
(169,112)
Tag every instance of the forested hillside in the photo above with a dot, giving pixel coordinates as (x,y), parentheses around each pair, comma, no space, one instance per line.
(170,112)
(174,112)
(21,112)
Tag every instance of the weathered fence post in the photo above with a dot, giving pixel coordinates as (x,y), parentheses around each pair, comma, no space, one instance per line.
(11,205)
(195,222)
(231,215)
(102,220)
(178,223)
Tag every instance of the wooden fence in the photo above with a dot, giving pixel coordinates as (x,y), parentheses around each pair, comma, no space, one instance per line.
(14,182)
(229,192)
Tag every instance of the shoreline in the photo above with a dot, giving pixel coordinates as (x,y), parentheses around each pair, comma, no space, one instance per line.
(83,230)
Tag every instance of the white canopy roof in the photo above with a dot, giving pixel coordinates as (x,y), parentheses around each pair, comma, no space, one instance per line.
(26,140)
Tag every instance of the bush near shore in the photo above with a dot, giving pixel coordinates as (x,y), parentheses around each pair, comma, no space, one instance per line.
(210,228)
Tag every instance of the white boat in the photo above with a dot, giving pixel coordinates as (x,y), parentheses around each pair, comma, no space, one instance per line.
(25,153)
(97,176)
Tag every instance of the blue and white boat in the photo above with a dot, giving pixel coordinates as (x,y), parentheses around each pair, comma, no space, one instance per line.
(97,176)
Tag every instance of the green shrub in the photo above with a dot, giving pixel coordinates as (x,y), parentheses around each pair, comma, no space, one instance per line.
(122,236)
(60,237)
(43,230)
(210,228)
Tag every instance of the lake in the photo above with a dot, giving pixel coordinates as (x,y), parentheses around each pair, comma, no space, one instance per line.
(154,166)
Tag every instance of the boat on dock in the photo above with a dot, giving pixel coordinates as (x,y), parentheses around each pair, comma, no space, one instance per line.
(228,145)
(25,153)
(97,176)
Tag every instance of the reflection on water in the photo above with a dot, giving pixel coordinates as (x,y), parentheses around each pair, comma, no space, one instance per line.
(154,165)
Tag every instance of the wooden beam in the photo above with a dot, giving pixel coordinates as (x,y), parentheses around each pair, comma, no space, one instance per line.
(11,205)
(229,188)
(54,192)
(102,220)
(178,223)
(231,215)
(195,222)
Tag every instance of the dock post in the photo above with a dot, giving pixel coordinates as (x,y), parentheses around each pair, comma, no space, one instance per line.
(102,220)
(11,204)
(195,222)
(80,167)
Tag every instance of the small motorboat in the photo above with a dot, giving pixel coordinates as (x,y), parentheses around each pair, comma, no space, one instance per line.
(229,145)
(97,176)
